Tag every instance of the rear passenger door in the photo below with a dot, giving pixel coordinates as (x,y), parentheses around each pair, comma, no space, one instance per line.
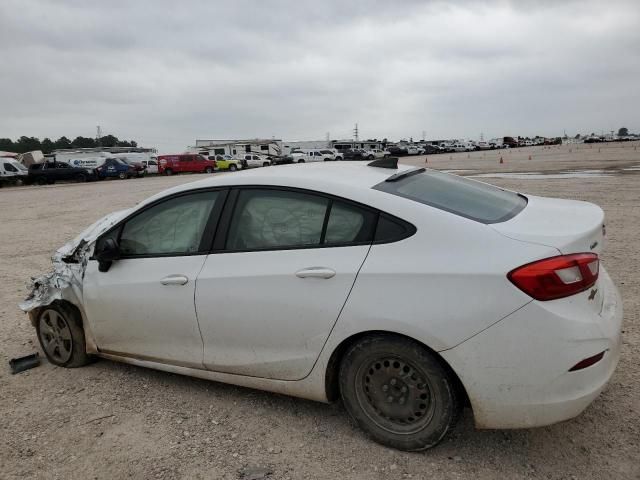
(283,265)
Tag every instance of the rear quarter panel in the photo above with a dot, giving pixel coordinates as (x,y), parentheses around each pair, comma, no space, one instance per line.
(441,286)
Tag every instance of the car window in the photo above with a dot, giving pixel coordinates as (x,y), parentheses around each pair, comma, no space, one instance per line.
(468,198)
(349,224)
(10,168)
(269,219)
(174,226)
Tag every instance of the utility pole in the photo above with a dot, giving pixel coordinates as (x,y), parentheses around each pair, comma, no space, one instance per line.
(328,138)
(355,133)
(424,136)
(98,135)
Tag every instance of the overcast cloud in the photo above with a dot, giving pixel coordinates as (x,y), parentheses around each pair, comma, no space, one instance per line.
(168,72)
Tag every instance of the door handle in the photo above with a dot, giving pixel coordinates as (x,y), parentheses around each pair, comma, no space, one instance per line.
(315,272)
(174,280)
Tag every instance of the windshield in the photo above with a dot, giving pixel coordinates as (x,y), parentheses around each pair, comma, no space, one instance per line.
(468,198)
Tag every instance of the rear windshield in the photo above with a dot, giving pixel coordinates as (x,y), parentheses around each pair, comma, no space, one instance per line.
(470,199)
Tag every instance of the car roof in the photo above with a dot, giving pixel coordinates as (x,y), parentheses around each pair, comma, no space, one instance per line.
(337,178)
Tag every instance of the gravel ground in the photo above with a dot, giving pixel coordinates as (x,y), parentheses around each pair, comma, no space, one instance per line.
(111,421)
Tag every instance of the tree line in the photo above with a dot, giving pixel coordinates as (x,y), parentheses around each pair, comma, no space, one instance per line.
(28,144)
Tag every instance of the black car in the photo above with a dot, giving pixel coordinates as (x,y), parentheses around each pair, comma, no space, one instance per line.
(355,155)
(51,172)
(397,151)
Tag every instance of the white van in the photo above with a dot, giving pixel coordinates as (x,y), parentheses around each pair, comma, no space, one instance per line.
(11,170)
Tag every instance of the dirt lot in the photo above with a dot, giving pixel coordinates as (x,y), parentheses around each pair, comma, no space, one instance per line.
(111,421)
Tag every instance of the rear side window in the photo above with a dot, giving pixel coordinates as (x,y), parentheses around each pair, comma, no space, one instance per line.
(467,198)
(272,219)
(349,224)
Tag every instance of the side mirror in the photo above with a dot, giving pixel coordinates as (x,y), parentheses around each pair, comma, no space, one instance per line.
(110,251)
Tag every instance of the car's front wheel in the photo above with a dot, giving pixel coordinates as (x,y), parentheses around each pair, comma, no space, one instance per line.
(61,336)
(122,176)
(208,170)
(232,167)
(398,392)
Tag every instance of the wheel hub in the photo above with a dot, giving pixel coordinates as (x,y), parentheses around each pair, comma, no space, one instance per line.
(397,393)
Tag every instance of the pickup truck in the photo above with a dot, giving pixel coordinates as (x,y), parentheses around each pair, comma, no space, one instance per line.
(302,156)
(51,172)
(253,160)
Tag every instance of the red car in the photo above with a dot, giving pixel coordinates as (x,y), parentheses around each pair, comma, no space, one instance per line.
(184,162)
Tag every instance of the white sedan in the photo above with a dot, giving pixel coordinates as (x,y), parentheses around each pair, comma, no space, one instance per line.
(407,292)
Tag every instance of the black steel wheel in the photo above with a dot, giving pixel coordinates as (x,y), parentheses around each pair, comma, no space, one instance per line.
(233,167)
(398,392)
(61,336)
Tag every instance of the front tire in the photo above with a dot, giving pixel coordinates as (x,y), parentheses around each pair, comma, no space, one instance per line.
(232,168)
(122,176)
(61,336)
(300,161)
(169,172)
(208,170)
(398,392)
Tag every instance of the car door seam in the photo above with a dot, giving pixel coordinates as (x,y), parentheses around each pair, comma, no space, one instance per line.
(339,314)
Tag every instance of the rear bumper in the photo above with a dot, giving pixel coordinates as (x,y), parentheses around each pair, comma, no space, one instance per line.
(516,372)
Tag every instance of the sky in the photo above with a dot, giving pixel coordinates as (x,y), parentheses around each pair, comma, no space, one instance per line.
(165,73)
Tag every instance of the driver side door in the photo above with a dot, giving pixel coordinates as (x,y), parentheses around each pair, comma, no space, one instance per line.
(143,305)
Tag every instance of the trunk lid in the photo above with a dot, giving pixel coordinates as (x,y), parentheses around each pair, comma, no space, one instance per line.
(570,226)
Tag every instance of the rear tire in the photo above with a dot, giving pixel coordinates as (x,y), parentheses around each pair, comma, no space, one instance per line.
(169,172)
(122,176)
(208,170)
(301,161)
(233,167)
(398,392)
(61,336)
(81,178)
(266,164)
(41,181)
(370,157)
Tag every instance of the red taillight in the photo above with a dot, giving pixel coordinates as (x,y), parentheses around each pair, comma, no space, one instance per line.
(557,277)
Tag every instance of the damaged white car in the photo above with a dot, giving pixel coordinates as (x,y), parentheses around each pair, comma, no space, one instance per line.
(407,292)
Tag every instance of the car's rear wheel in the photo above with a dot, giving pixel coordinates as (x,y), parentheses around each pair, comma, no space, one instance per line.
(233,167)
(122,176)
(208,170)
(266,164)
(41,181)
(398,392)
(61,336)
(168,171)
(81,177)
(370,157)
(301,161)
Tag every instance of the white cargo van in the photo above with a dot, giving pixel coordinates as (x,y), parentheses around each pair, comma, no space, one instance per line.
(12,171)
